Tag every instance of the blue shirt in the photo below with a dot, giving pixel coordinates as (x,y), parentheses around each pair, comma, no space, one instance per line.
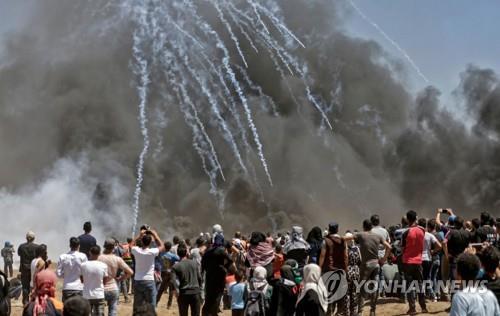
(237,293)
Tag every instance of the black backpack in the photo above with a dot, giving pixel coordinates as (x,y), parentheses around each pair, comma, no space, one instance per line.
(4,295)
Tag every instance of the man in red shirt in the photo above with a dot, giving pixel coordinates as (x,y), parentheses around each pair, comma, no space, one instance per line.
(413,246)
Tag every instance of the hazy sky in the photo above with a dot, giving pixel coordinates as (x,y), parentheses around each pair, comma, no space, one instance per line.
(442,36)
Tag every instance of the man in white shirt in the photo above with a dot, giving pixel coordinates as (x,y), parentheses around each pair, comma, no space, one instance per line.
(145,288)
(94,275)
(69,269)
(472,300)
(114,263)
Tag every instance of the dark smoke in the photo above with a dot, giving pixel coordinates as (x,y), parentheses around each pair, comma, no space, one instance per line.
(67,92)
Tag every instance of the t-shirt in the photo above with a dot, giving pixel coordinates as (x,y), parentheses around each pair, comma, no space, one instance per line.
(69,268)
(368,244)
(413,245)
(93,273)
(27,252)
(486,233)
(87,241)
(188,276)
(474,303)
(144,263)
(382,232)
(114,264)
(237,293)
(429,241)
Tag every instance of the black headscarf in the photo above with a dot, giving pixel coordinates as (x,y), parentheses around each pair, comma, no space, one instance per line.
(257,237)
(315,235)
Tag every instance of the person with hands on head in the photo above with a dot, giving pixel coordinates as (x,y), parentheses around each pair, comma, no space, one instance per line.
(145,288)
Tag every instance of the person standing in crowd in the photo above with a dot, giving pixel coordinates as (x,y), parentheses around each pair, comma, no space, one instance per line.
(87,241)
(129,260)
(431,245)
(8,259)
(334,257)
(490,258)
(313,300)
(260,253)
(435,256)
(145,288)
(238,293)
(259,294)
(369,243)
(471,300)
(353,275)
(285,293)
(44,301)
(382,232)
(456,241)
(297,248)
(40,263)
(69,268)
(27,252)
(315,240)
(114,264)
(413,247)
(215,264)
(486,233)
(188,284)
(94,275)
(168,260)
(173,247)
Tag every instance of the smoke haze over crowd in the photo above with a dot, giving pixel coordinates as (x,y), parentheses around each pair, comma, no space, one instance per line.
(70,137)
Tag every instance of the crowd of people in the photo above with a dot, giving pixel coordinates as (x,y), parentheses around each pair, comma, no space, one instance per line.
(279,273)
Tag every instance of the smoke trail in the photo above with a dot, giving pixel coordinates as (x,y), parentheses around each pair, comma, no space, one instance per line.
(141,70)
(390,40)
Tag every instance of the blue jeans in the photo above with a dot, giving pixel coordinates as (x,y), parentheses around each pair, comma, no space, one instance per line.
(145,298)
(111,298)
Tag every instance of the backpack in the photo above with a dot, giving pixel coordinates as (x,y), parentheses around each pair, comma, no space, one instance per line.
(4,295)
(256,303)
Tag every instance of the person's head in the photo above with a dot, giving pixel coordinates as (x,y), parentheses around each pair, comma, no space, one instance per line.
(476,223)
(375,219)
(95,252)
(367,225)
(45,283)
(467,267)
(168,246)
(312,273)
(129,240)
(76,306)
(268,235)
(411,216)
(228,246)
(200,242)
(260,273)
(404,222)
(30,236)
(74,243)
(87,227)
(237,235)
(41,251)
(176,240)
(458,222)
(490,258)
(109,245)
(431,225)
(485,218)
(422,222)
(217,229)
(239,276)
(468,225)
(146,240)
(257,238)
(182,252)
(278,248)
(333,228)
(187,242)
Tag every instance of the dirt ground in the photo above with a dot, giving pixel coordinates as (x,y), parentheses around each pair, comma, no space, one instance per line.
(386,307)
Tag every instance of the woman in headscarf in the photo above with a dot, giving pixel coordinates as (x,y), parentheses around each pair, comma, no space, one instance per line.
(259,283)
(260,253)
(297,248)
(313,300)
(315,240)
(285,293)
(354,261)
(43,301)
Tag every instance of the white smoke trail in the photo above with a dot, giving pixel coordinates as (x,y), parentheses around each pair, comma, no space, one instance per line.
(141,70)
(390,40)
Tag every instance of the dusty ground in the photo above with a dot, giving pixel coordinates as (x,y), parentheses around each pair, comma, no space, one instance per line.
(386,307)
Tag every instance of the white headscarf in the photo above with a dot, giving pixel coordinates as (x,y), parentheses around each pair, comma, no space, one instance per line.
(313,281)
(296,241)
(258,281)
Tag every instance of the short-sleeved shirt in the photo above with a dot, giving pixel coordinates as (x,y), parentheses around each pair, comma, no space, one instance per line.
(369,245)
(93,273)
(382,232)
(87,241)
(413,245)
(69,268)
(237,293)
(486,233)
(429,241)
(144,263)
(114,264)
(474,303)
